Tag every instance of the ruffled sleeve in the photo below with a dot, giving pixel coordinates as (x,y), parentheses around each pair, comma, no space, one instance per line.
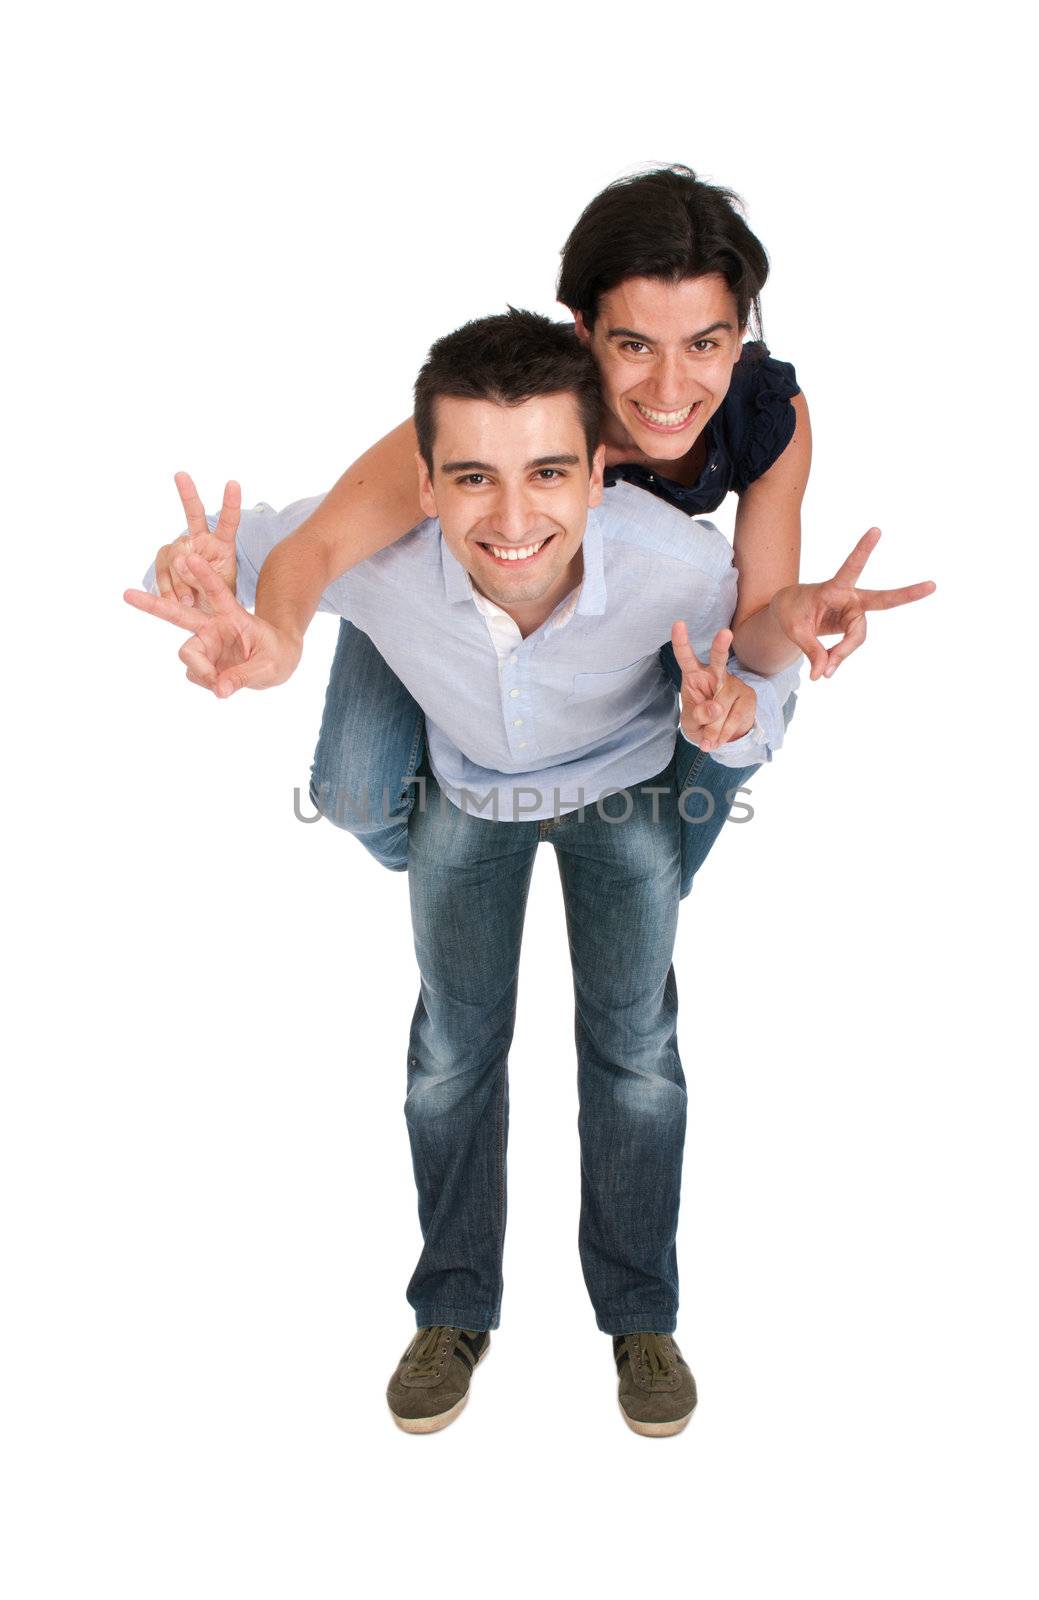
(763,420)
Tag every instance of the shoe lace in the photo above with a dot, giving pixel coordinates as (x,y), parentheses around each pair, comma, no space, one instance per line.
(423,1362)
(656,1356)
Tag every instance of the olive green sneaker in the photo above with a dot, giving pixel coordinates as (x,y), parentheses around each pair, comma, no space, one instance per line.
(431,1383)
(657,1391)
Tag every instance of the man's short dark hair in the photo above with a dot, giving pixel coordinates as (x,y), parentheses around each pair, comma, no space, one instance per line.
(666,224)
(508,358)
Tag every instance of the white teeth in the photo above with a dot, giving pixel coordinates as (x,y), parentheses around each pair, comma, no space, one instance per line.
(514,554)
(667,419)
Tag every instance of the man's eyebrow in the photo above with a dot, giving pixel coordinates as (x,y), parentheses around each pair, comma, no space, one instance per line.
(645,338)
(485,466)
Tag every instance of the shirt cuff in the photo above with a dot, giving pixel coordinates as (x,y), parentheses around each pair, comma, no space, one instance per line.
(747,751)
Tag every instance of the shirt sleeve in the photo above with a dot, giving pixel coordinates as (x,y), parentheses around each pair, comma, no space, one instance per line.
(764,420)
(776,698)
(259,530)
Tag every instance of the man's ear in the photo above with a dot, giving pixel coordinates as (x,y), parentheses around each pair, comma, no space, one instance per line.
(595,483)
(581,328)
(427,499)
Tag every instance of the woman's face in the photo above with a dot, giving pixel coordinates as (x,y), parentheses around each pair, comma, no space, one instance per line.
(666,353)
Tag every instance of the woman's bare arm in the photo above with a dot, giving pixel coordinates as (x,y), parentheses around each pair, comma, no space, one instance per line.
(767,550)
(374,503)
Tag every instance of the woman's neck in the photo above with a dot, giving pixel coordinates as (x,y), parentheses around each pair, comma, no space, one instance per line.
(685,469)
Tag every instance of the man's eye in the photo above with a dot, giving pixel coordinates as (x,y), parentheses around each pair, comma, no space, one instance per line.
(474,478)
(634,345)
(703,345)
(548,474)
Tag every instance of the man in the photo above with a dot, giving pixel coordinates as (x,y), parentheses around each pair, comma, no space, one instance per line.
(528,627)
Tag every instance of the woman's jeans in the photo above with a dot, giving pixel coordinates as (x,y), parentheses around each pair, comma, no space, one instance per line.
(372,739)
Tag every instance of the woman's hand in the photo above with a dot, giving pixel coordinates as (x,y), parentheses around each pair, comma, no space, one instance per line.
(229,648)
(806,610)
(217,548)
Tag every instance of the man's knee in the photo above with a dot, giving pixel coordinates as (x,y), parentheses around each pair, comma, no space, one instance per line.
(650,1094)
(451,1083)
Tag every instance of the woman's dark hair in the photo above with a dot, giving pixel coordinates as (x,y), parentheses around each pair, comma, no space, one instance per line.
(663,224)
(508,359)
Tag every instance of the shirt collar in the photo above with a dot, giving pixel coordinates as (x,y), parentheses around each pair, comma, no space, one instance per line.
(593,585)
(592,603)
(457,585)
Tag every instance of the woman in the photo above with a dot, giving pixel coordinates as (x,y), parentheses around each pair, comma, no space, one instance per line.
(663,277)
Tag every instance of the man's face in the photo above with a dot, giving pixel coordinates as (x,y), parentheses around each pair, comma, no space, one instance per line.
(512,486)
(666,353)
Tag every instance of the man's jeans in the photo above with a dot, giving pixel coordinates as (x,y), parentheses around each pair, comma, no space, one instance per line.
(372,741)
(469,877)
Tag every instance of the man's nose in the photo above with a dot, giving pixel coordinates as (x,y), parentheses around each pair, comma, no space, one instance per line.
(514,515)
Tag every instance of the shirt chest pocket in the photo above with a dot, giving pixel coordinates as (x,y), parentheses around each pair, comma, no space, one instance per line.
(618,680)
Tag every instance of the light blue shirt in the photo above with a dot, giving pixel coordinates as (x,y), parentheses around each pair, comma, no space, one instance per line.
(530,728)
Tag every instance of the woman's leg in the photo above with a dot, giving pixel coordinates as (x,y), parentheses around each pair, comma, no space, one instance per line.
(368,751)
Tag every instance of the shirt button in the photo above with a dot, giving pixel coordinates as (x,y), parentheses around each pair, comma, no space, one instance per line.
(512,660)
(513,694)
(517,722)
(522,744)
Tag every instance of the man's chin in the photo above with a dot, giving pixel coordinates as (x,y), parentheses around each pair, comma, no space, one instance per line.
(521,591)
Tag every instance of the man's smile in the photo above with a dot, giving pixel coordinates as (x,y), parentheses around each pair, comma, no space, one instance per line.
(515,555)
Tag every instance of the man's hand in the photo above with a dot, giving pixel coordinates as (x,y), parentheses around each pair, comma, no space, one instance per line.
(806,610)
(218,547)
(230,649)
(716,707)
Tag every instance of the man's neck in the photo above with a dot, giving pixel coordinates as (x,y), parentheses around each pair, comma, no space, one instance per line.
(528,615)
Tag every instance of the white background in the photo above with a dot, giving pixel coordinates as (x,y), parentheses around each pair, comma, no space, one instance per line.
(235,232)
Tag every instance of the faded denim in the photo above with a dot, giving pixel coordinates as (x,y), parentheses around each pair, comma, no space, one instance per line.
(469,878)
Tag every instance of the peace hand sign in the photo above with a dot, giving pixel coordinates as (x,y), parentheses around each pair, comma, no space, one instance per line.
(218,547)
(806,610)
(230,649)
(716,707)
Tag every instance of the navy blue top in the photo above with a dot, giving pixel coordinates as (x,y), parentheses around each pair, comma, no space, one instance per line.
(749,431)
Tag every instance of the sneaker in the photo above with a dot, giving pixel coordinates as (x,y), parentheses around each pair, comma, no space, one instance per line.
(431,1383)
(657,1391)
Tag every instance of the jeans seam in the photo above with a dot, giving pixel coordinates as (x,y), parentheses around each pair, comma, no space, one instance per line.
(695,768)
(412,761)
(501,1158)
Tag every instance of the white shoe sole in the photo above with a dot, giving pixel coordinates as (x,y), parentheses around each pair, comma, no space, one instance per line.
(442,1418)
(655,1430)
